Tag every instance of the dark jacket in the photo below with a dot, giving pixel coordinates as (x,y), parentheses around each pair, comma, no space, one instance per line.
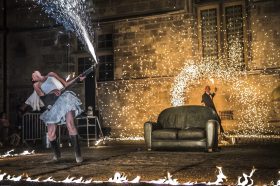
(208,100)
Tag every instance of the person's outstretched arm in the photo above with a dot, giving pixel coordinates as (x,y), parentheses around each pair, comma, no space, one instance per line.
(38,90)
(65,83)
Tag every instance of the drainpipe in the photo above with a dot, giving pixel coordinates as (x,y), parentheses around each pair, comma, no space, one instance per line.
(188,6)
(5,79)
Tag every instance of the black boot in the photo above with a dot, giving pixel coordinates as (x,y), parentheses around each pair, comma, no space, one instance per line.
(55,149)
(76,144)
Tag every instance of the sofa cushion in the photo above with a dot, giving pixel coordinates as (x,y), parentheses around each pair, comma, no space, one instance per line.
(191,133)
(165,134)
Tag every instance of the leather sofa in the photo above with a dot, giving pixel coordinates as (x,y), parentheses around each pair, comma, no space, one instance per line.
(183,127)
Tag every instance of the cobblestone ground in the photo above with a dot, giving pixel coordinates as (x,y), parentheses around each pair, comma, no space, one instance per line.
(102,162)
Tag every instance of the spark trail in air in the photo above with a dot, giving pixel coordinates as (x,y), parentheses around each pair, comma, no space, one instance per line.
(74,16)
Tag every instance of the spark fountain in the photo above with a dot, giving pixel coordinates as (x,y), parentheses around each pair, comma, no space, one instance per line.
(254,103)
(73,15)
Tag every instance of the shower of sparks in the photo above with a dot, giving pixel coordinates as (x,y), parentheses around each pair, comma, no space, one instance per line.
(253,103)
(11,154)
(69,76)
(105,139)
(125,139)
(244,94)
(212,80)
(74,16)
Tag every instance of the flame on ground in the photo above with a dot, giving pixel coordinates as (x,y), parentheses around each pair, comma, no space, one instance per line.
(167,180)
(118,178)
(247,178)
(220,178)
(122,178)
(278,182)
(9,153)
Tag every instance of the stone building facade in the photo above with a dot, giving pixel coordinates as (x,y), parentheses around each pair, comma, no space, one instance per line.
(151,50)
(143,45)
(1,56)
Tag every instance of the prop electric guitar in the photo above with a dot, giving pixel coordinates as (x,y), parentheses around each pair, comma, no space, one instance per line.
(50,99)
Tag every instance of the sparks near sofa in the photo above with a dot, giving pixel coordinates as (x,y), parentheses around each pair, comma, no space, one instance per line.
(183,127)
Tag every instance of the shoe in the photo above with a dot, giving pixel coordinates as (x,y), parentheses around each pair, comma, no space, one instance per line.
(79,159)
(209,150)
(56,150)
(55,159)
(218,149)
(76,144)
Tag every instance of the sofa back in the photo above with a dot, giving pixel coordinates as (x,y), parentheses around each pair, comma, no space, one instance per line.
(186,116)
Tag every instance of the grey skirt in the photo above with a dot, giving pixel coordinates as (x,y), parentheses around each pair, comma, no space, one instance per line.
(68,101)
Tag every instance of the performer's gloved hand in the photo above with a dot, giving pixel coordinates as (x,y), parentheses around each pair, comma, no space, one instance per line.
(82,78)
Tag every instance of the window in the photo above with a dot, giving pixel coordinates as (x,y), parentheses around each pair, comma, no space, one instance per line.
(209,33)
(105,41)
(228,25)
(234,35)
(106,57)
(83,64)
(106,68)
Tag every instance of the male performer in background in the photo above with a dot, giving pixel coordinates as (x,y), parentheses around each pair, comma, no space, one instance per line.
(207,99)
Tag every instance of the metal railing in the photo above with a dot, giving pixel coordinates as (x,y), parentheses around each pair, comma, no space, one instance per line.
(90,122)
(32,127)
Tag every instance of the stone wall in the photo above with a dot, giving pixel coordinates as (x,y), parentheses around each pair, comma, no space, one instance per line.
(153,47)
(25,15)
(266,34)
(264,21)
(105,9)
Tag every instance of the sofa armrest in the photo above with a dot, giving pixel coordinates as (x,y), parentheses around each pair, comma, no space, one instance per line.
(148,128)
(212,134)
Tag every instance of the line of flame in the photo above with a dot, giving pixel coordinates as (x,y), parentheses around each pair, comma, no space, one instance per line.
(122,178)
(9,153)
